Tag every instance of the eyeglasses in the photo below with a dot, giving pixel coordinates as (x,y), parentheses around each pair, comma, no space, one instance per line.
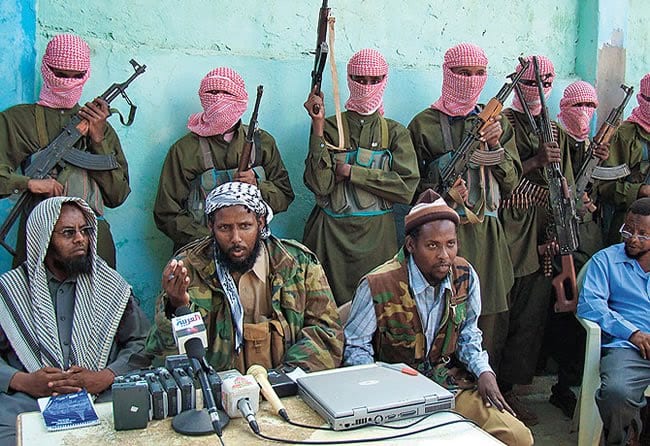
(627,235)
(70,233)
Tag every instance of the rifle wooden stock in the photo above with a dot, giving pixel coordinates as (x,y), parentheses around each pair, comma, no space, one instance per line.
(245,159)
(566,286)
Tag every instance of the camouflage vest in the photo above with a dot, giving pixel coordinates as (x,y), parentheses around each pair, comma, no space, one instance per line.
(348,200)
(400,336)
(211,177)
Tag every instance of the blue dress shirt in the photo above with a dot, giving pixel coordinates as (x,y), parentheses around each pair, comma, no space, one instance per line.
(615,295)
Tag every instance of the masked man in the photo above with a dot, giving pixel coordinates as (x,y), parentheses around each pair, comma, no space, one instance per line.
(421,308)
(436,133)
(209,156)
(629,145)
(26,129)
(529,230)
(263,300)
(357,178)
(67,320)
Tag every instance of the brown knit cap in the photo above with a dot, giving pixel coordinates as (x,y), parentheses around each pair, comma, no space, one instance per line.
(430,206)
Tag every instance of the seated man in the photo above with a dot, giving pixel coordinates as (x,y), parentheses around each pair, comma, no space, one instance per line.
(615,296)
(67,320)
(421,308)
(264,300)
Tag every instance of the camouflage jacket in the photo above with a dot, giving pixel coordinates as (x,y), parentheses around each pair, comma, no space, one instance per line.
(400,336)
(300,296)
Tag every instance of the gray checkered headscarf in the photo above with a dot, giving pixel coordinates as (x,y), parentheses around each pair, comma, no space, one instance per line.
(235,193)
(27,314)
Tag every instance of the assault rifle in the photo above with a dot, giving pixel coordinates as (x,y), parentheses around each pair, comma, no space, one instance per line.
(61,150)
(590,169)
(321,52)
(563,207)
(245,159)
(468,147)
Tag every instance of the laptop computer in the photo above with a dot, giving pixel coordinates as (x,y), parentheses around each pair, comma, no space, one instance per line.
(372,394)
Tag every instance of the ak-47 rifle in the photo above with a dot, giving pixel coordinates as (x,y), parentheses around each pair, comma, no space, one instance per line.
(61,150)
(321,52)
(590,169)
(562,202)
(245,159)
(470,143)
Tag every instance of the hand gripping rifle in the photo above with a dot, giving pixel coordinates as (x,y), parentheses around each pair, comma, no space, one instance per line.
(562,202)
(470,143)
(61,150)
(590,169)
(245,159)
(321,52)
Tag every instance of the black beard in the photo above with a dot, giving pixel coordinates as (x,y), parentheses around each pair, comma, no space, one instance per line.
(240,266)
(636,256)
(75,266)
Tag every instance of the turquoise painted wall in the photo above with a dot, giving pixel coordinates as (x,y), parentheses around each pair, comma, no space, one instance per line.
(268,42)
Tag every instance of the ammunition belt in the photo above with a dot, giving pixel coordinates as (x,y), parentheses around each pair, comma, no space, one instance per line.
(526,195)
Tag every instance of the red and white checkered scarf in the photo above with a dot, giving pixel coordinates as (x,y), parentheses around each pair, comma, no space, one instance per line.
(577,120)
(641,114)
(460,93)
(531,94)
(366,99)
(64,52)
(221,111)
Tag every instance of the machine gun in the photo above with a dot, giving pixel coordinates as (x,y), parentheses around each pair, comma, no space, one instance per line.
(245,159)
(322,49)
(562,202)
(61,150)
(590,169)
(468,147)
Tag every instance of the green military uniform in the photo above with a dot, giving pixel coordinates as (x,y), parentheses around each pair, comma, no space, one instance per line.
(526,220)
(185,163)
(300,297)
(629,145)
(486,185)
(24,130)
(351,228)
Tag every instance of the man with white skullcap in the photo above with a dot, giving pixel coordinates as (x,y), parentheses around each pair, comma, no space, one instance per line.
(67,320)
(27,128)
(421,308)
(528,226)
(356,179)
(209,155)
(264,300)
(629,145)
(437,132)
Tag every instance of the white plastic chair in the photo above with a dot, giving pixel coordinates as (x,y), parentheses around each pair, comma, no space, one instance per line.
(586,417)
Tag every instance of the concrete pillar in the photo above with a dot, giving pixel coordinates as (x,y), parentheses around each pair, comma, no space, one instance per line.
(600,49)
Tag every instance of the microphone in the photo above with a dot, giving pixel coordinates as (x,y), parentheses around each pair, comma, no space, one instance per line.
(261,376)
(196,355)
(188,325)
(244,407)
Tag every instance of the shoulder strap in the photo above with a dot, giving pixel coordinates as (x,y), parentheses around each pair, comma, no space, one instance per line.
(41,130)
(446,132)
(206,155)
(384,132)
